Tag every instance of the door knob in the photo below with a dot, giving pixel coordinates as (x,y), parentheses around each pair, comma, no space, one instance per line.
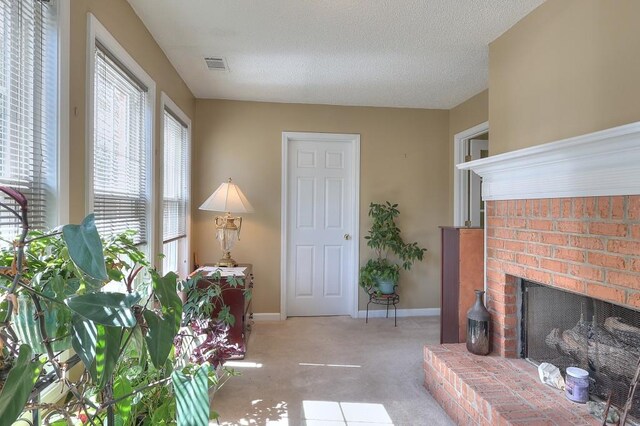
(347,236)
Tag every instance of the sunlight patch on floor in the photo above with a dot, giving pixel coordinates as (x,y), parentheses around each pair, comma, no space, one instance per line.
(242,364)
(331,413)
(312,364)
(281,422)
(262,413)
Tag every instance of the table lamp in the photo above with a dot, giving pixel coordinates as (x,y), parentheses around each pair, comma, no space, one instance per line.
(230,199)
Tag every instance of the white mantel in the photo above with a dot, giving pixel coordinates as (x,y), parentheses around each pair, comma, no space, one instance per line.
(606,162)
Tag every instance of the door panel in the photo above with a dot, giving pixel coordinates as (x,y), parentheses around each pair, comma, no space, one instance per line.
(334,160)
(305,203)
(333,271)
(306,159)
(320,197)
(305,260)
(333,207)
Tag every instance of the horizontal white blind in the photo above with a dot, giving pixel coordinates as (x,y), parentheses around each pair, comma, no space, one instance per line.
(120,177)
(175,190)
(28,105)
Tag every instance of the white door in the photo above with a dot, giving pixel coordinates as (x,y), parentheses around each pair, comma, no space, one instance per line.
(321,271)
(478,148)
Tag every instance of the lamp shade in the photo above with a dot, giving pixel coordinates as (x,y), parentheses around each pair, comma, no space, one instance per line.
(227,198)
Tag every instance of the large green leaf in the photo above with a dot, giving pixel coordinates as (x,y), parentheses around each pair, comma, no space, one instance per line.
(165,290)
(192,397)
(107,353)
(85,248)
(159,337)
(110,309)
(57,319)
(84,337)
(164,414)
(121,388)
(97,346)
(18,386)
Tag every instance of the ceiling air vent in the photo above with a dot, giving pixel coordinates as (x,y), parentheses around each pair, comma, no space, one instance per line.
(216,63)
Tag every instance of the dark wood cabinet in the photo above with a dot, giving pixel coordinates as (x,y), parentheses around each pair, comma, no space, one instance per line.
(462,273)
(239,305)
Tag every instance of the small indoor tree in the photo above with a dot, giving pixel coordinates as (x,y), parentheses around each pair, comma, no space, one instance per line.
(382,273)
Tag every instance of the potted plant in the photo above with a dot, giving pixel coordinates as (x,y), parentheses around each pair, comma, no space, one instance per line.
(382,273)
(55,285)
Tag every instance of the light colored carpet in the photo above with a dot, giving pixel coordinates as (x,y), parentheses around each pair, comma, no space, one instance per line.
(333,371)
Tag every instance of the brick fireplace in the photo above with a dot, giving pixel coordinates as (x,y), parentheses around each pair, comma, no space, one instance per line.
(564,215)
(584,245)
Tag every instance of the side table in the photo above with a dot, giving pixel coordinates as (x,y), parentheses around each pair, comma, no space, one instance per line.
(239,305)
(385,300)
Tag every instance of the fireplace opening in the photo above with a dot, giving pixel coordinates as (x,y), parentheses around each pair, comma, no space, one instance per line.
(571,330)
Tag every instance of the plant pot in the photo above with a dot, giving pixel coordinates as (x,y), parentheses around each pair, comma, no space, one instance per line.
(478,322)
(385,286)
(57,320)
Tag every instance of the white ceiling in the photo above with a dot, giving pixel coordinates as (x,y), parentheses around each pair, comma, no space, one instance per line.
(397,53)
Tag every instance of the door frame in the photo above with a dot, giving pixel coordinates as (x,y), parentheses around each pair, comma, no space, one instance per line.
(459,182)
(354,140)
(476,146)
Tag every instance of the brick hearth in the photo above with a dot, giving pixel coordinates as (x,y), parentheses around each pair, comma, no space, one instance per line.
(494,391)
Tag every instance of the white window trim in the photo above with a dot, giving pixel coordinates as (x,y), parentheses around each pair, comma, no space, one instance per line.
(167,103)
(61,189)
(97,31)
(60,185)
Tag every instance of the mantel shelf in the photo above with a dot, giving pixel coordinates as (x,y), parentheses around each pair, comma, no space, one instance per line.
(606,162)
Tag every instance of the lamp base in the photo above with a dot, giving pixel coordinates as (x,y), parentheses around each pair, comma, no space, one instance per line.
(226,261)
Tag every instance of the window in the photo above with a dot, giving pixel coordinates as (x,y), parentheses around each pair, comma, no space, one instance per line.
(119,150)
(175,198)
(33,83)
(121,126)
(28,108)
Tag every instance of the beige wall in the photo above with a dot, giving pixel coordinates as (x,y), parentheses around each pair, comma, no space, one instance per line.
(404,158)
(568,68)
(122,22)
(469,113)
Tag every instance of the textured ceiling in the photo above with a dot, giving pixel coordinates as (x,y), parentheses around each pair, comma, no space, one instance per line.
(398,53)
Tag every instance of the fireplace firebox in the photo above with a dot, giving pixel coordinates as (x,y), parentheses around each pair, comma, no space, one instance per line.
(567,329)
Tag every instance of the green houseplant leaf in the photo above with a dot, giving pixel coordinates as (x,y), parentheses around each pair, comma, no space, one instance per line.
(107,353)
(17,388)
(109,309)
(97,346)
(192,397)
(83,340)
(57,319)
(85,248)
(121,388)
(159,337)
(165,290)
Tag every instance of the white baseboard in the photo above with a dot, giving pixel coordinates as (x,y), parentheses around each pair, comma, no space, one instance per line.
(266,316)
(418,312)
(373,313)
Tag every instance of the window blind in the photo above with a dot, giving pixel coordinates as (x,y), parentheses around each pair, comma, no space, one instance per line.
(175,191)
(120,178)
(28,106)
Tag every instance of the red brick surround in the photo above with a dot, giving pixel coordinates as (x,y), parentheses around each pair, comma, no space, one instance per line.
(585,245)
